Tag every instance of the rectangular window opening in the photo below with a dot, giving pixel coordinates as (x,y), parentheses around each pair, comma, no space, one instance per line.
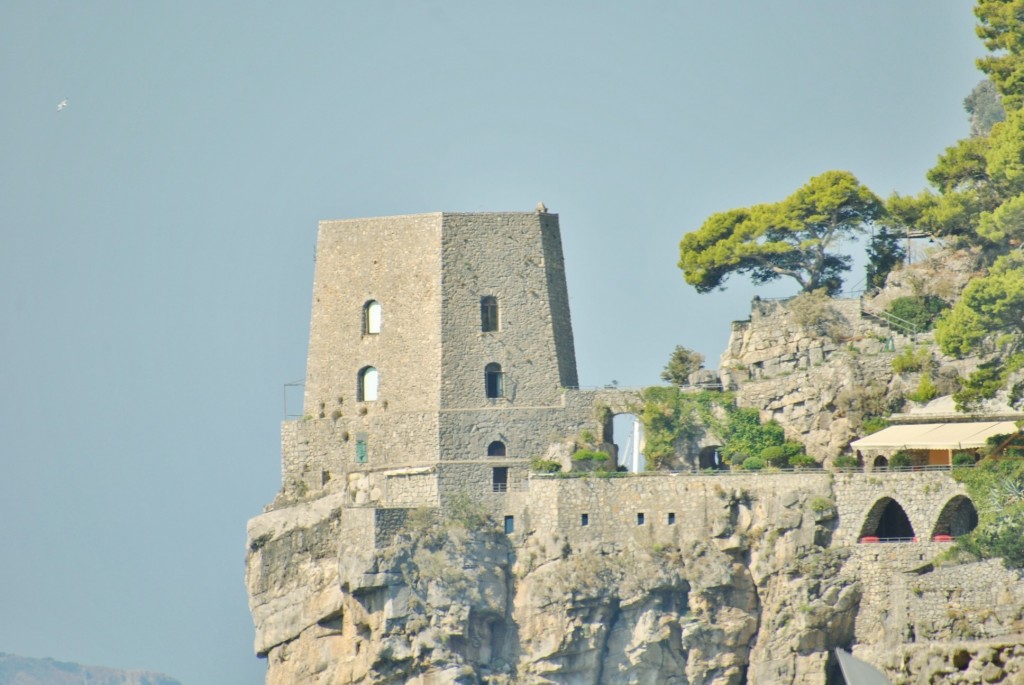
(639,518)
(360,450)
(499,479)
(510,524)
(584,519)
(671,518)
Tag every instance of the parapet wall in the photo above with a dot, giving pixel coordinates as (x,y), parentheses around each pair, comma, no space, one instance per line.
(667,509)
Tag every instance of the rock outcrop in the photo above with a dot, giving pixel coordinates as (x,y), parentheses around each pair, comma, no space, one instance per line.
(450,600)
(455,568)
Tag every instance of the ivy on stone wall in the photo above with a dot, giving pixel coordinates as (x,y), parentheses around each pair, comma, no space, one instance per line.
(671,416)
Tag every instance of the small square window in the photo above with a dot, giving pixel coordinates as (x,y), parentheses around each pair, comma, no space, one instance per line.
(510,524)
(584,519)
(671,518)
(639,519)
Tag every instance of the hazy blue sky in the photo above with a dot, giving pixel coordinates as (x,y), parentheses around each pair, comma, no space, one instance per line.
(157,235)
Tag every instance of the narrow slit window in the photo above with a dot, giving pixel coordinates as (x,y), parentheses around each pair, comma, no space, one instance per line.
(488,314)
(366,388)
(510,525)
(371,318)
(494,382)
(584,519)
(639,519)
(360,449)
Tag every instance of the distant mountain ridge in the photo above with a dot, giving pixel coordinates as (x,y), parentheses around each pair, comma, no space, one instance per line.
(20,670)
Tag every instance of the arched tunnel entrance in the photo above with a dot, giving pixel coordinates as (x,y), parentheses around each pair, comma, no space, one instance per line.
(957,518)
(887,520)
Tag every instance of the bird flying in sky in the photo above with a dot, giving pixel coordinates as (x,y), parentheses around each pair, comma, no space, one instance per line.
(62,104)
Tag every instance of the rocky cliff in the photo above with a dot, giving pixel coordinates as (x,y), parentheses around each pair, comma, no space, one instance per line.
(752,584)
(820,366)
(761,599)
(679,578)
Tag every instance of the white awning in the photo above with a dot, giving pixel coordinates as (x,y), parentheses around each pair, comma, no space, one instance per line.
(935,436)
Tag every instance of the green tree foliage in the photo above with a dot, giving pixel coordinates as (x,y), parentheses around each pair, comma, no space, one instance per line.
(918,310)
(668,416)
(913,359)
(985,107)
(782,455)
(1001,29)
(900,460)
(925,391)
(974,178)
(991,309)
(997,489)
(745,435)
(753,464)
(671,416)
(988,318)
(681,364)
(794,238)
(885,253)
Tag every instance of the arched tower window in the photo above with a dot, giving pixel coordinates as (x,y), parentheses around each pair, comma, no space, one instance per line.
(493,381)
(488,314)
(371,318)
(366,390)
(496,449)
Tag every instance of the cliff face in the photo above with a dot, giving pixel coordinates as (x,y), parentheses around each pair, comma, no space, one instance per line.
(820,366)
(755,579)
(760,599)
(383,573)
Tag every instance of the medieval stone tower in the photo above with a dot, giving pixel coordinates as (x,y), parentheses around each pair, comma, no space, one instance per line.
(437,340)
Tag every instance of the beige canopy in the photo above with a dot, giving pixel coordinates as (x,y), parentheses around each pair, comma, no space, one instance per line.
(935,436)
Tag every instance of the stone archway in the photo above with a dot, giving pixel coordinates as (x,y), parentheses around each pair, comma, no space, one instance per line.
(958,517)
(628,439)
(709,457)
(880,463)
(887,520)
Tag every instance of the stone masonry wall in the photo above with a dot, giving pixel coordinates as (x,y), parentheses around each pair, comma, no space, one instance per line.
(503,256)
(908,605)
(922,494)
(613,505)
(397,262)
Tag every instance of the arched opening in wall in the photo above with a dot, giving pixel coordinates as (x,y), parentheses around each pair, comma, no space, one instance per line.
(957,518)
(494,381)
(366,388)
(886,520)
(880,463)
(710,458)
(627,436)
(496,449)
(371,318)
(488,314)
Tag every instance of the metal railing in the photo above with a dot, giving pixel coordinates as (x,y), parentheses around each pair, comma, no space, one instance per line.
(890,320)
(767,471)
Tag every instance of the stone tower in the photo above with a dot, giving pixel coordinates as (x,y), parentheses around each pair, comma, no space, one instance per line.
(440,340)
